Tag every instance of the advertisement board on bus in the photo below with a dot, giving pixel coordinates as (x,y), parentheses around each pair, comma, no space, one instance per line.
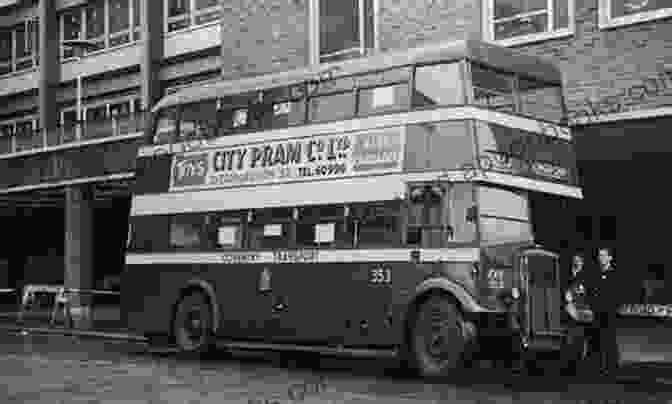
(325,156)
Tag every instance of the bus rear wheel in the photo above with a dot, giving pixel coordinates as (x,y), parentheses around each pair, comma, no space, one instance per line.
(438,340)
(193,325)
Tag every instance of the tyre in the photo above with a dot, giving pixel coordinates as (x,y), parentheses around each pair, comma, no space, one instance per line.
(437,338)
(193,325)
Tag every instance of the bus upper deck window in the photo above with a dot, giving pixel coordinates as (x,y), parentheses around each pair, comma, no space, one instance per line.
(541,100)
(493,89)
(166,126)
(440,84)
(385,98)
(198,120)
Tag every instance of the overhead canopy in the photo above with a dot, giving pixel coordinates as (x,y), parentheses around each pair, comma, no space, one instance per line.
(478,51)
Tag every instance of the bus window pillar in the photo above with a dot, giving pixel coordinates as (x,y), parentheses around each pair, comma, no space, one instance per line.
(79,250)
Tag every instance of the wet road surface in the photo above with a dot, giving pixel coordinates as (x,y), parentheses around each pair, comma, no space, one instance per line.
(55,369)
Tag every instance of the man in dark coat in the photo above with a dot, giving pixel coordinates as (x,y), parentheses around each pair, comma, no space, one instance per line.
(607,295)
(578,313)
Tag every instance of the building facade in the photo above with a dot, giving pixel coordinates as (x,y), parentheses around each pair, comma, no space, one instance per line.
(71,119)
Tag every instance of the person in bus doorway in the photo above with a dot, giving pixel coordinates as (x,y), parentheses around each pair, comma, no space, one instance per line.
(607,293)
(578,315)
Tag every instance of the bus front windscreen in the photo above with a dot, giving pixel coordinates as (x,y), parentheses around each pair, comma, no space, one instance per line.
(504,215)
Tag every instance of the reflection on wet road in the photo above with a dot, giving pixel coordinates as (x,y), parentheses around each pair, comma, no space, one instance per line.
(39,369)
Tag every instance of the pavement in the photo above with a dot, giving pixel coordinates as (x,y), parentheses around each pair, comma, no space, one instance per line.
(56,369)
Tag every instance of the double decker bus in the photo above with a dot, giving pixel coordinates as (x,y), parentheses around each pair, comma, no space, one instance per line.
(393,204)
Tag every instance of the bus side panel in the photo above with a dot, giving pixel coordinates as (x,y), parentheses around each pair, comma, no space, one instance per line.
(353,304)
(149,293)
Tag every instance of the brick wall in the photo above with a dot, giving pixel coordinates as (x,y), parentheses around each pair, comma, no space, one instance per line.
(262,36)
(612,70)
(409,23)
(273,35)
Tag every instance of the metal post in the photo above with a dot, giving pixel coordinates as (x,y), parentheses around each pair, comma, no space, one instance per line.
(78,132)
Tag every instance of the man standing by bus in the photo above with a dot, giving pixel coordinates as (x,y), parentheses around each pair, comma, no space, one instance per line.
(607,291)
(579,316)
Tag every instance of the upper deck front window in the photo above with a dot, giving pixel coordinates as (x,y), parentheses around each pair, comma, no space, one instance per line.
(440,84)
(515,93)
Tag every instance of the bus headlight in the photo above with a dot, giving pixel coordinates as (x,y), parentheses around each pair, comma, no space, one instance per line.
(515,293)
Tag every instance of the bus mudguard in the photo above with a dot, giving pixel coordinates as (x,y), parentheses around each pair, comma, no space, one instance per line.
(466,301)
(209,290)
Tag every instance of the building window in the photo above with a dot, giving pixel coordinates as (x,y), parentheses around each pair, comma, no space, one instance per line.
(119,22)
(615,13)
(106,23)
(342,29)
(6,46)
(18,47)
(181,14)
(95,23)
(71,28)
(511,22)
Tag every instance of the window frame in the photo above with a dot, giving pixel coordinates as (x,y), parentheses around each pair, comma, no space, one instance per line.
(606,21)
(315,57)
(133,30)
(551,33)
(191,16)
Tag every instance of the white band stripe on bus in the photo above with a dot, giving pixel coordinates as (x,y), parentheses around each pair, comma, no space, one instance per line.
(331,191)
(427,255)
(375,122)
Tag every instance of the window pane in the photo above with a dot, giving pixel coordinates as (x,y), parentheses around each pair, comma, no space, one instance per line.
(119,18)
(6,138)
(178,7)
(509,8)
(23,42)
(186,230)
(438,85)
(339,25)
(95,19)
(224,230)
(620,8)
(332,107)
(503,230)
(5,52)
(561,14)
(165,127)
(270,228)
(198,120)
(72,24)
(201,4)
(493,89)
(503,203)
(69,118)
(96,114)
(378,224)
(387,98)
(541,100)
(288,113)
(522,26)
(462,211)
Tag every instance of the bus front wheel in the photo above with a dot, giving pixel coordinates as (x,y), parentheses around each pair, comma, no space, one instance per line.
(438,340)
(193,324)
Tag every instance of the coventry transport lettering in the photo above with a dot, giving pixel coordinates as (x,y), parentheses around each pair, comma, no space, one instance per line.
(324,156)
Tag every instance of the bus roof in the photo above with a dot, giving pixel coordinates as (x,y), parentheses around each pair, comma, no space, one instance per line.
(494,56)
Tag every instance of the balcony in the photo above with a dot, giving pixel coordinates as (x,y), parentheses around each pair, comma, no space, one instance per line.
(72,135)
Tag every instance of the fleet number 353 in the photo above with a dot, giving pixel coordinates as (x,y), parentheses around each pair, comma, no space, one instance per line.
(380,275)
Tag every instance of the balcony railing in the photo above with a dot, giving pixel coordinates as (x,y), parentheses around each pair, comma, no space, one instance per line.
(73,133)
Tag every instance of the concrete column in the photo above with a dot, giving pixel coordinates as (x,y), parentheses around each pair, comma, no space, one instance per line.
(79,249)
(50,68)
(151,18)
